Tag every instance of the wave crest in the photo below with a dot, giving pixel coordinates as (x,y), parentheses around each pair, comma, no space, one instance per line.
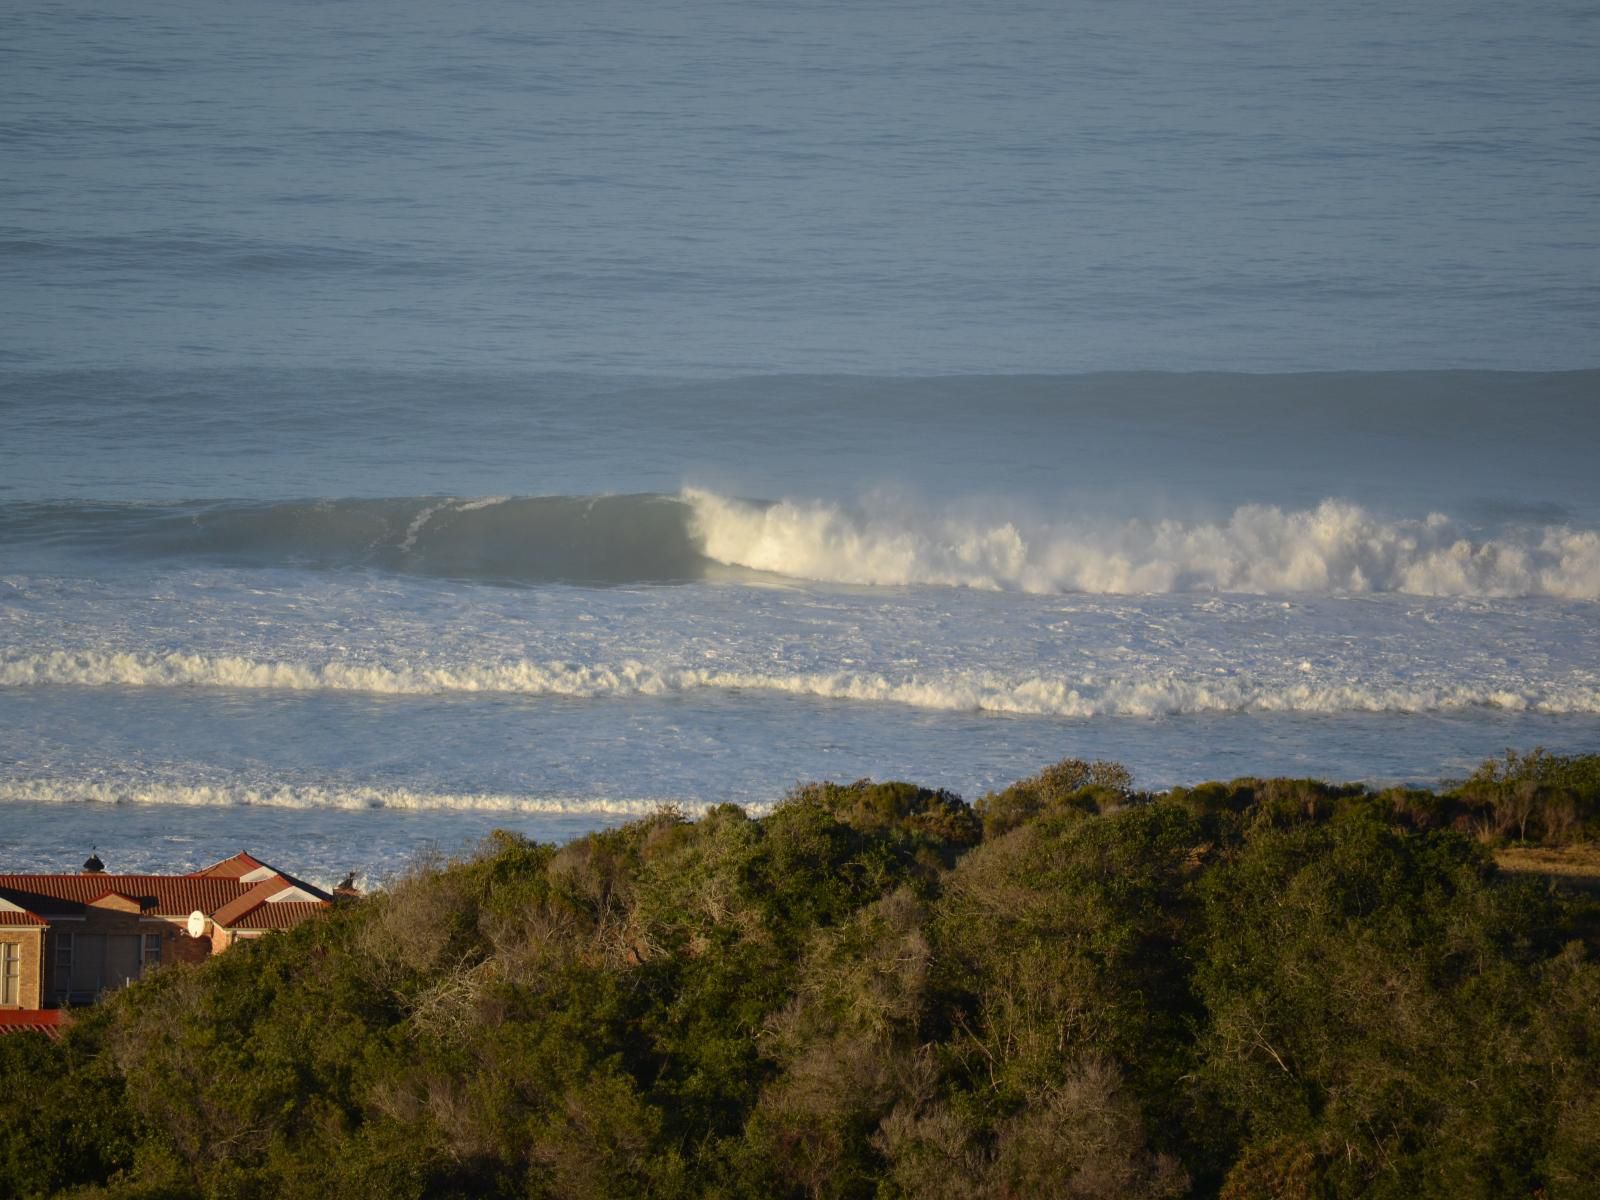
(357,797)
(1146,695)
(1336,547)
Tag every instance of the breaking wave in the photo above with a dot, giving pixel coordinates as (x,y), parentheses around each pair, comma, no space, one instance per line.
(1148,694)
(1336,547)
(96,791)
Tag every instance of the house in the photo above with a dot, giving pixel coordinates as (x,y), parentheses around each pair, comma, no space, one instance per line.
(67,939)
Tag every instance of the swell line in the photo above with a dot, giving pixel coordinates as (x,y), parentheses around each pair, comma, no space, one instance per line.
(359,797)
(1338,547)
(1147,695)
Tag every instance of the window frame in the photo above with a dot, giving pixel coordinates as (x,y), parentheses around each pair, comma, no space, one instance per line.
(65,959)
(11,974)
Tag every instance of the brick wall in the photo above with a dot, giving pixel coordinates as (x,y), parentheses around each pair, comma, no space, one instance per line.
(31,942)
(187,949)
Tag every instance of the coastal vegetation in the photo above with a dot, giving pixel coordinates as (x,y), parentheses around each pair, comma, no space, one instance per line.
(1260,988)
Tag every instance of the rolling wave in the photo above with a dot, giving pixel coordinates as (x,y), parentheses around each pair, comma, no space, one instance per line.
(99,791)
(1146,695)
(529,539)
(1336,547)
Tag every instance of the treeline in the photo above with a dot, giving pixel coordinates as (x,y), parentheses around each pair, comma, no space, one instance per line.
(1257,989)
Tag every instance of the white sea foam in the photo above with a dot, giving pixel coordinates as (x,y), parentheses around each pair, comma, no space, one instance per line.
(417,522)
(100,791)
(1143,694)
(1336,547)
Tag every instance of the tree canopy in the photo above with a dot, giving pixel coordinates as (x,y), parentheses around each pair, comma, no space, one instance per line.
(1263,988)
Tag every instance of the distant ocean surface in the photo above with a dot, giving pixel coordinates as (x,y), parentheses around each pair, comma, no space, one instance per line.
(417,419)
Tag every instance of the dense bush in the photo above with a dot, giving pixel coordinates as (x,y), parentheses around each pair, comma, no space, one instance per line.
(1552,797)
(1265,988)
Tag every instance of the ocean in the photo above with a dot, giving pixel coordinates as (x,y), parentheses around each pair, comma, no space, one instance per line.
(417,420)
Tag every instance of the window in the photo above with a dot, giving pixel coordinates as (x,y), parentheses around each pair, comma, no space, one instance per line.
(63,963)
(152,952)
(10,972)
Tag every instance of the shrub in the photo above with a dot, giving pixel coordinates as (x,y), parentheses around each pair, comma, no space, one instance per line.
(1250,989)
(1071,784)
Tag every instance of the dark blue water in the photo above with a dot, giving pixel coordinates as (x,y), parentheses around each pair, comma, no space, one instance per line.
(730,187)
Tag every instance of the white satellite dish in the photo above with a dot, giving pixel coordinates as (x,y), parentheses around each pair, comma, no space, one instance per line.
(197,924)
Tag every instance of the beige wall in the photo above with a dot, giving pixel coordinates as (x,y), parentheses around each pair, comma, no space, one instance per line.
(185,948)
(31,939)
(222,938)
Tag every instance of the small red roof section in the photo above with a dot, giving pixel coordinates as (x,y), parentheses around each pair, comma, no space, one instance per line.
(231,868)
(229,914)
(12,915)
(250,870)
(242,913)
(286,914)
(47,1021)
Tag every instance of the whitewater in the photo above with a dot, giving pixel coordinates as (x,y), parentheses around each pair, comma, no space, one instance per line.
(1335,547)
(416,420)
(439,664)
(435,665)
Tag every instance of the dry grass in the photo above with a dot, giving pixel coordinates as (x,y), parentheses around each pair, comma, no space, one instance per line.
(1577,865)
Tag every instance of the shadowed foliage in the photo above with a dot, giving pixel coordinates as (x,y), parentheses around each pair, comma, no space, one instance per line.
(1262,988)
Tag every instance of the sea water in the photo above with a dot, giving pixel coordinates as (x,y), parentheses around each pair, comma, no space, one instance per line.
(416,420)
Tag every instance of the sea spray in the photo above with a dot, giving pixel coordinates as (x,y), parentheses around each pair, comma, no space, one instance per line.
(1337,547)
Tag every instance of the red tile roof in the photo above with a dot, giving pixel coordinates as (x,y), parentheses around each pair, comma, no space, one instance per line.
(242,864)
(47,1021)
(219,891)
(242,913)
(255,895)
(284,915)
(231,868)
(162,895)
(220,897)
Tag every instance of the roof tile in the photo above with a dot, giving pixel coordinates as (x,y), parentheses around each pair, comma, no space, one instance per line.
(47,1021)
(219,891)
(10,918)
(231,868)
(167,895)
(256,894)
(284,915)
